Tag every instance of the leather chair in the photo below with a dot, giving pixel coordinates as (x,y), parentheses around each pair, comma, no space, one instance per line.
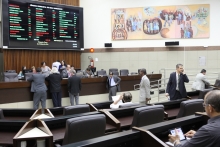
(124,72)
(148,115)
(70,110)
(190,107)
(217,83)
(101,72)
(113,70)
(80,75)
(10,71)
(115,73)
(28,75)
(126,105)
(1,114)
(83,128)
(203,93)
(9,77)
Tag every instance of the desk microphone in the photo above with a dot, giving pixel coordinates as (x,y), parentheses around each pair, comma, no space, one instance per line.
(151,92)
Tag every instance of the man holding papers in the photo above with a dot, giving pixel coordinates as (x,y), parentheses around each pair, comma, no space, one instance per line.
(122,99)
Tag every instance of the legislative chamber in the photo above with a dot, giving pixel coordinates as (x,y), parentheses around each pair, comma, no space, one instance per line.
(92,73)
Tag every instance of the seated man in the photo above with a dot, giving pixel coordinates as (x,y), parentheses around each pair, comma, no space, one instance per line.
(88,73)
(208,135)
(124,98)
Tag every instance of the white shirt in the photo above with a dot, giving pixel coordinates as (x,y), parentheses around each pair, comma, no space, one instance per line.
(177,86)
(112,81)
(56,64)
(115,106)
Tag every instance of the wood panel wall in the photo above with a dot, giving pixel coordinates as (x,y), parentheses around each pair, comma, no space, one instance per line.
(15,59)
(66,2)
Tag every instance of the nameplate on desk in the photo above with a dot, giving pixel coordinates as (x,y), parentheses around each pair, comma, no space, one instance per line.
(35,132)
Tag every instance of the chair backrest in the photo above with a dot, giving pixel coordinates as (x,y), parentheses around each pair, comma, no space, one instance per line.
(203,93)
(113,70)
(70,110)
(190,107)
(115,73)
(11,77)
(126,105)
(83,128)
(28,75)
(101,73)
(217,83)
(1,114)
(10,71)
(80,74)
(148,115)
(124,72)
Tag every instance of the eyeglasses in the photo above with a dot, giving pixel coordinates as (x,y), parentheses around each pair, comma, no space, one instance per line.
(204,105)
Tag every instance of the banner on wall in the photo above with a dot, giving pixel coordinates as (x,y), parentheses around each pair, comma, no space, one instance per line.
(161,22)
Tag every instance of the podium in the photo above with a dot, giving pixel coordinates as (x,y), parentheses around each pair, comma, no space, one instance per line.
(34,133)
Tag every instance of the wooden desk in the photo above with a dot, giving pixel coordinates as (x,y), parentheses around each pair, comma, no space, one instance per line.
(133,137)
(12,92)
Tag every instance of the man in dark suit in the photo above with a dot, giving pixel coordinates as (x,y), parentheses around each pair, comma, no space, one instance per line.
(113,85)
(176,87)
(74,87)
(54,80)
(39,88)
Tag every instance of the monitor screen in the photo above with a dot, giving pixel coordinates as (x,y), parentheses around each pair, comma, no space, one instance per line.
(31,24)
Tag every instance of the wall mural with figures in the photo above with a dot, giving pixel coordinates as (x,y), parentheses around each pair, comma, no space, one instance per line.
(161,22)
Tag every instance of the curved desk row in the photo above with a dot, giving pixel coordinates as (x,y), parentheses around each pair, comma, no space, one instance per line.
(20,91)
(122,120)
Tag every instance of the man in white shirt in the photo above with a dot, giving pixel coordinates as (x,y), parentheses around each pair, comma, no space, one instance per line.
(144,96)
(125,98)
(200,81)
(113,85)
(56,64)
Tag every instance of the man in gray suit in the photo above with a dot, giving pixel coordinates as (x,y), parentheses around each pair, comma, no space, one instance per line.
(113,85)
(39,88)
(208,135)
(144,96)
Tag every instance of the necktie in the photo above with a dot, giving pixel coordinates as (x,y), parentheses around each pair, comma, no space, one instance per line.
(178,80)
(110,80)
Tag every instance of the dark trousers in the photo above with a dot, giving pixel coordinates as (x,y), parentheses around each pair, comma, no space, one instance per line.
(56,98)
(176,96)
(112,92)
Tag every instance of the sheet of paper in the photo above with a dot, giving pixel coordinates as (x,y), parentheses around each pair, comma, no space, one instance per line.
(202,61)
(35,132)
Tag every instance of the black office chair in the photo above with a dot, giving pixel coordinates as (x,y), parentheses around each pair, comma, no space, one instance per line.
(126,105)
(70,110)
(11,77)
(1,114)
(203,93)
(113,70)
(101,72)
(124,72)
(148,115)
(190,107)
(83,128)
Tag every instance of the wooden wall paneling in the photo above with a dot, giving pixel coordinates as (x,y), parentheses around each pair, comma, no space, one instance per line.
(15,59)
(65,2)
